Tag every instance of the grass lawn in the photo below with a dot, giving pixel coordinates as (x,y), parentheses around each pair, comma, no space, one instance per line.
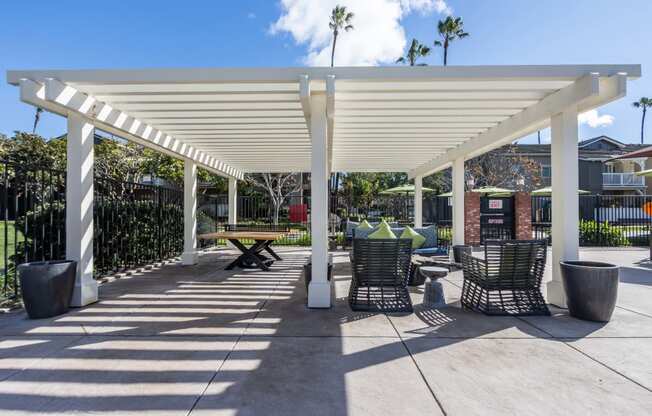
(10,245)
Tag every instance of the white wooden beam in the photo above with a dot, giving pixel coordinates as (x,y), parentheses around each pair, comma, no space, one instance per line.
(319,290)
(418,201)
(233,200)
(330,116)
(584,94)
(59,98)
(79,208)
(190,255)
(280,75)
(304,97)
(458,201)
(565,202)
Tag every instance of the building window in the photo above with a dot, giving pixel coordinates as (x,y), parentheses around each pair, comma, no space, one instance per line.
(545,171)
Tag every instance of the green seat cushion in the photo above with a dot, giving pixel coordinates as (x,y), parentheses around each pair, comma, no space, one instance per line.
(417,239)
(383,231)
(364,225)
(363,230)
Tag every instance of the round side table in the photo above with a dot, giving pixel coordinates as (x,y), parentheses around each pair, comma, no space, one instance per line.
(433,294)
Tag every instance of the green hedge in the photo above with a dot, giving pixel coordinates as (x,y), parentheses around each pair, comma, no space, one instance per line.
(601,234)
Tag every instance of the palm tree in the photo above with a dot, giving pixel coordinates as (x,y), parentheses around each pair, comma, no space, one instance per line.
(340,19)
(416,51)
(37,118)
(449,30)
(643,103)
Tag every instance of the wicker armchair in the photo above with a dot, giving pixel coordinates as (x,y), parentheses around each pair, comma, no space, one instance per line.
(508,281)
(380,275)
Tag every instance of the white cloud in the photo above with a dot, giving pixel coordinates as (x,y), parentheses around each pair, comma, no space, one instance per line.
(251,15)
(593,119)
(378,36)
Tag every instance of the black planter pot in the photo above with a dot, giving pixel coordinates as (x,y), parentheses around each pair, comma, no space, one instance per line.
(591,289)
(47,287)
(459,250)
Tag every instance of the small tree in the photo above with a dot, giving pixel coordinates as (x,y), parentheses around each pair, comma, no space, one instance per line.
(277,185)
(503,168)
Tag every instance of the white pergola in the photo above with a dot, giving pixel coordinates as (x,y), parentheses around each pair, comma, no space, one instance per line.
(231,121)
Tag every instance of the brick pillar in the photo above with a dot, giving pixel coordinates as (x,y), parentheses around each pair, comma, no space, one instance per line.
(472,218)
(523,215)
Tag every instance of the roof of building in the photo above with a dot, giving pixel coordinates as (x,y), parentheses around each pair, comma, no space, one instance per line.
(597,148)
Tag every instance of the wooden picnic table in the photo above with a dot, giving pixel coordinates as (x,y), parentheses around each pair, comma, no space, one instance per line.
(250,255)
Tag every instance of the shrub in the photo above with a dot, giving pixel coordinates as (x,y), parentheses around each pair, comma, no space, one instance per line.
(593,233)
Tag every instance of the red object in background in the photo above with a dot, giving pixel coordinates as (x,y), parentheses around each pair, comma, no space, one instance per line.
(299,213)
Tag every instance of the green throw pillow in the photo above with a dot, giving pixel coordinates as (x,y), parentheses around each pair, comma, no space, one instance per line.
(364,225)
(383,231)
(417,239)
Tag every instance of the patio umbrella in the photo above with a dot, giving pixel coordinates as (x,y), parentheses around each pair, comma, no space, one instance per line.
(407,189)
(547,191)
(488,190)
(494,191)
(647,172)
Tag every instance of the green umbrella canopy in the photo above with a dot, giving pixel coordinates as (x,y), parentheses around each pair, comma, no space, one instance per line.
(403,189)
(647,172)
(491,191)
(547,191)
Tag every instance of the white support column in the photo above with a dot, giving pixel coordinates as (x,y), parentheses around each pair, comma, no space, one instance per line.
(79,208)
(189,256)
(565,203)
(458,201)
(418,201)
(233,200)
(319,291)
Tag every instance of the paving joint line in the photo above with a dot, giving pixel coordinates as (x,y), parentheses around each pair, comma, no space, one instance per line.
(633,311)
(414,361)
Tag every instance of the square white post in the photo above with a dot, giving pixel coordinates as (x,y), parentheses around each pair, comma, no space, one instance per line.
(233,201)
(458,201)
(418,201)
(319,291)
(189,256)
(79,208)
(565,203)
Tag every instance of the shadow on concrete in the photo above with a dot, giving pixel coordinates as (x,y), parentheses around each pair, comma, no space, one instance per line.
(198,339)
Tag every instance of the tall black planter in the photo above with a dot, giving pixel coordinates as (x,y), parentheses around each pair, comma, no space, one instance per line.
(591,289)
(47,287)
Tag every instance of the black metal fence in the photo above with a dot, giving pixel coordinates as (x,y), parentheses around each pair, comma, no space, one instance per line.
(605,220)
(33,219)
(135,224)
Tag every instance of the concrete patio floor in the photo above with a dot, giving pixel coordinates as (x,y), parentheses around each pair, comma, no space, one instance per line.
(203,341)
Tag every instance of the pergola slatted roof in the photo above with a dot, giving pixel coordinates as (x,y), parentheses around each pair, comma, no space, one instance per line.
(237,120)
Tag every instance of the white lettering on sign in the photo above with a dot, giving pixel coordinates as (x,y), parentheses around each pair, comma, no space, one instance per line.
(495,204)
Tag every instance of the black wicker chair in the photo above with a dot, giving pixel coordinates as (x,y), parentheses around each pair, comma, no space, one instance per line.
(380,275)
(508,280)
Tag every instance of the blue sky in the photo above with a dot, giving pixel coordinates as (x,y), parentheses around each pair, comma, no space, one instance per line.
(140,34)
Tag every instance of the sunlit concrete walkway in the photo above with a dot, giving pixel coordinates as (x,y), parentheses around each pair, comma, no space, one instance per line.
(198,340)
